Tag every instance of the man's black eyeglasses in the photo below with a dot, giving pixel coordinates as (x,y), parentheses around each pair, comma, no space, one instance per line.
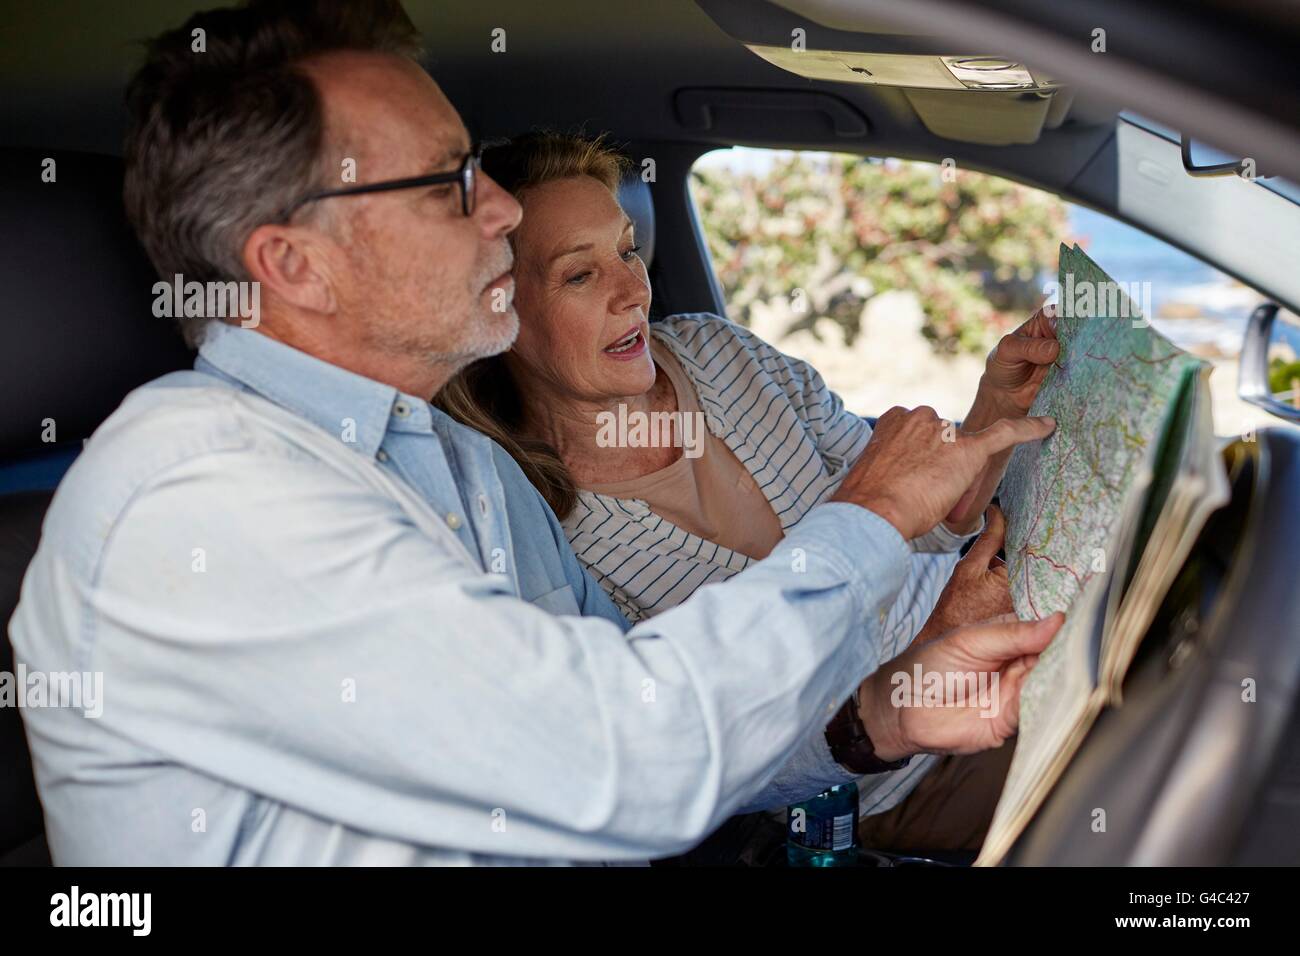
(466,175)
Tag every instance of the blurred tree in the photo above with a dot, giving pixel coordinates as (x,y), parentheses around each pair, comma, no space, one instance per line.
(825,233)
(1282,377)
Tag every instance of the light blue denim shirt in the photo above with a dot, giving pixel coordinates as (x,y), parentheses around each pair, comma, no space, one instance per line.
(295,671)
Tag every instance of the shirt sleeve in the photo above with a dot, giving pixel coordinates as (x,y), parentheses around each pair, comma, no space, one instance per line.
(591,597)
(276,626)
(939,540)
(812,769)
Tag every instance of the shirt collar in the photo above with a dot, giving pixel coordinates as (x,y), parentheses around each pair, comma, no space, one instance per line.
(345,404)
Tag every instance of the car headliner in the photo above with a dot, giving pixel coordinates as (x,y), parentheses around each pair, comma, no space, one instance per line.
(595,64)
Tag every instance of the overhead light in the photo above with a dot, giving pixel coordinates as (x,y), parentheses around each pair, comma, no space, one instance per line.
(991,73)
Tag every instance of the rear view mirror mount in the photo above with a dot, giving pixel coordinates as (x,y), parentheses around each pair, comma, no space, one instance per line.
(1201,159)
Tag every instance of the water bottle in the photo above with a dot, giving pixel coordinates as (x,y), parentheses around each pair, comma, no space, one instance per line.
(823,831)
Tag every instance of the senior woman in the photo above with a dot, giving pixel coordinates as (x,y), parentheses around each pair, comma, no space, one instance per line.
(677,454)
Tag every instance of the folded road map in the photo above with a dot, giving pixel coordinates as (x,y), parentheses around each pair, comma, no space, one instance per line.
(1100,517)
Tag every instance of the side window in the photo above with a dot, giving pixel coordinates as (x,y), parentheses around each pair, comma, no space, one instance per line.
(895,278)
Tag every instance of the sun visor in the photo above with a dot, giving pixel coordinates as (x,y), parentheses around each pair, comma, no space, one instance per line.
(973,96)
(975,99)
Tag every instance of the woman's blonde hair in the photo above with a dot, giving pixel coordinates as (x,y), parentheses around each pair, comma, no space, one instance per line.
(484,395)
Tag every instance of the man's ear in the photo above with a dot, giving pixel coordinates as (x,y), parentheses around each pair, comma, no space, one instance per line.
(294,265)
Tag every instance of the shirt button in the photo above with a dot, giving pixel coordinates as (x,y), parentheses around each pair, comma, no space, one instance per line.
(482,505)
(401,409)
(381,455)
(453,520)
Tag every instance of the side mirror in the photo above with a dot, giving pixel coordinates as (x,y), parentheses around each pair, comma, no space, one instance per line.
(1269,374)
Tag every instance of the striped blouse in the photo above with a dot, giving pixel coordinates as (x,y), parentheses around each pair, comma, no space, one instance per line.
(796,439)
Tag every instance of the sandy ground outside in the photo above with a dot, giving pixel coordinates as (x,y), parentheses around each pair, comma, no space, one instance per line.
(891,363)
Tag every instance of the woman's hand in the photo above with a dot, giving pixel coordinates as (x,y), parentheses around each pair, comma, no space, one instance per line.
(978,588)
(1015,369)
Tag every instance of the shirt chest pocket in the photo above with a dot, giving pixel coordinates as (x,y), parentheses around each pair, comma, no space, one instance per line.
(559,601)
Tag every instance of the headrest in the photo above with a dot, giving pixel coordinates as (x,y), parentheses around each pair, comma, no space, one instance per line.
(634,197)
(79,330)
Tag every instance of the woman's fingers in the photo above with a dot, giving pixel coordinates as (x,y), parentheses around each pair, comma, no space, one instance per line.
(988,544)
(1042,322)
(1025,349)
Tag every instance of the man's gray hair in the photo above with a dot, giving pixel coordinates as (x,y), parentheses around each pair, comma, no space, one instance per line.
(226,130)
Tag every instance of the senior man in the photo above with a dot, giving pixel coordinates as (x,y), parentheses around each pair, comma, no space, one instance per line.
(335,626)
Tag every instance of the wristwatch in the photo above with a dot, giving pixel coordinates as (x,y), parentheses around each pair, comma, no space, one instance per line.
(850,745)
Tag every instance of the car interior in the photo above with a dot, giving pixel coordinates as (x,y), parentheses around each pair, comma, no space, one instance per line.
(1192,778)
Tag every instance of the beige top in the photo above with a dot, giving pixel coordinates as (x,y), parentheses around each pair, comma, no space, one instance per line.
(712,495)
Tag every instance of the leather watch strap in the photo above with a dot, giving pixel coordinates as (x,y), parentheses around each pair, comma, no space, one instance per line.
(850,745)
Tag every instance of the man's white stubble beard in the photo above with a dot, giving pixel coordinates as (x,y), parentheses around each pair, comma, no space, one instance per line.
(484,344)
(502,339)
(489,332)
